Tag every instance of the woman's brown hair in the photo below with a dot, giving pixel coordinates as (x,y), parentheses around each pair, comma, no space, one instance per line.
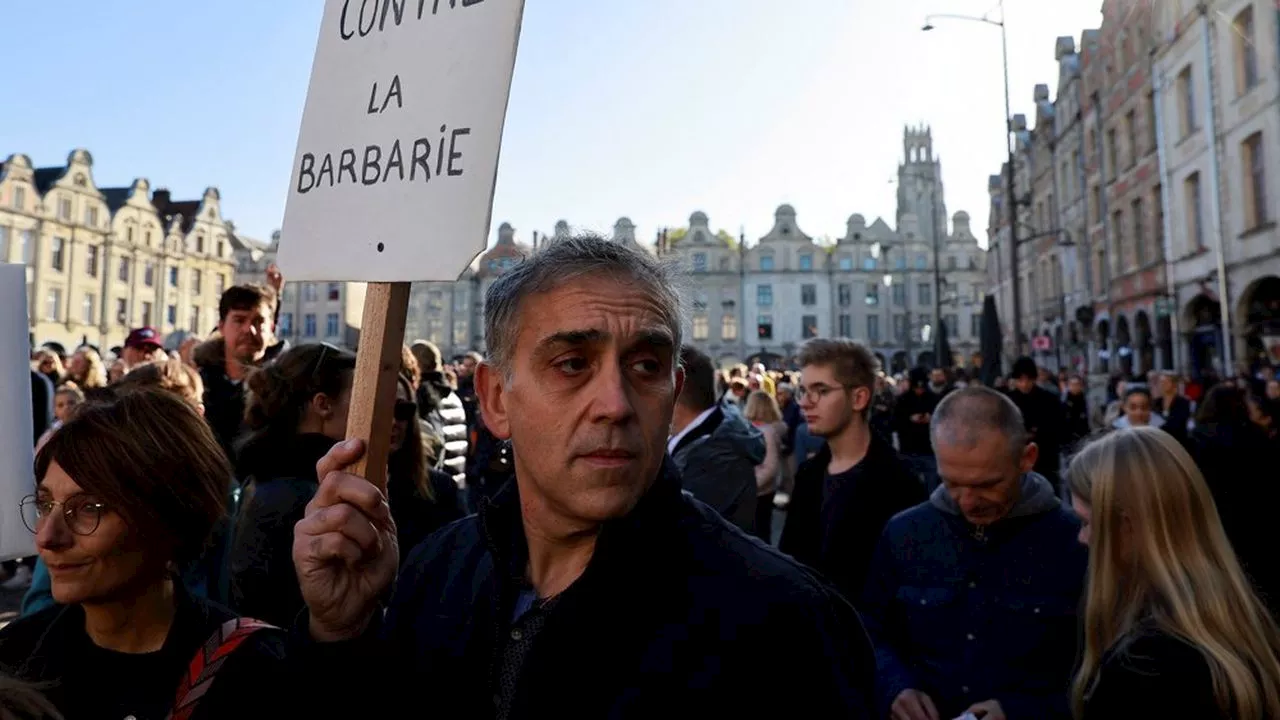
(151,458)
(173,375)
(279,391)
(411,462)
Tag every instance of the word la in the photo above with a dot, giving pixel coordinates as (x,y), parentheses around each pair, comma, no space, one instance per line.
(392,94)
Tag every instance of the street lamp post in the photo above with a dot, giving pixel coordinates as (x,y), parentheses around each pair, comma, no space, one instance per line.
(1010,192)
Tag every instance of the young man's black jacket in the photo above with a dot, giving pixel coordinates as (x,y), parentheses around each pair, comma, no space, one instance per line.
(677,611)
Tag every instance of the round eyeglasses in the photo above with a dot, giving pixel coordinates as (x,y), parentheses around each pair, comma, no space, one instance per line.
(81,513)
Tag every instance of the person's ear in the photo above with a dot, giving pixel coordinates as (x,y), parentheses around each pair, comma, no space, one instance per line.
(322,405)
(1030,454)
(491,391)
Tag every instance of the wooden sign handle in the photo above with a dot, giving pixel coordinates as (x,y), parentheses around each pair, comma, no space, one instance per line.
(373,390)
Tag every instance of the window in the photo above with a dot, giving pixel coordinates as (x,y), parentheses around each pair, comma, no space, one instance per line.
(922,261)
(899,295)
(222,247)
(1246,52)
(28,246)
(19,198)
(700,262)
(53,305)
(173,276)
(808,294)
(764,327)
(1117,242)
(122,311)
(729,327)
(1131,128)
(846,326)
(435,300)
(149,274)
(1195,223)
(764,295)
(868,262)
(309,325)
(1150,112)
(766,263)
(1112,165)
(806,261)
(64,208)
(844,294)
(57,259)
(873,328)
(91,261)
(460,332)
(1139,239)
(873,295)
(4,244)
(331,325)
(195,319)
(1186,101)
(219,284)
(846,262)
(899,261)
(335,291)
(700,327)
(286,324)
(146,313)
(975,325)
(724,263)
(309,292)
(459,302)
(953,325)
(171,315)
(196,281)
(809,326)
(1095,205)
(1255,181)
(899,327)
(924,293)
(200,243)
(951,262)
(123,272)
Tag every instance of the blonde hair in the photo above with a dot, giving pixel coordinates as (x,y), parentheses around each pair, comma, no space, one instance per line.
(172,375)
(95,372)
(762,408)
(1172,566)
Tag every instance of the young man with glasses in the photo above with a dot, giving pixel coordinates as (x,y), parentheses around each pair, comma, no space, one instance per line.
(846,493)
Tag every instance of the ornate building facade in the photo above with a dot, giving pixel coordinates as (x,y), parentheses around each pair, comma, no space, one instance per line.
(762,300)
(101,261)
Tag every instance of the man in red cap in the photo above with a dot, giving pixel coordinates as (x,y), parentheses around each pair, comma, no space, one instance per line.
(142,346)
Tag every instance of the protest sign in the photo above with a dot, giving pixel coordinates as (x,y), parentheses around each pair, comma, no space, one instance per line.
(16,479)
(393,177)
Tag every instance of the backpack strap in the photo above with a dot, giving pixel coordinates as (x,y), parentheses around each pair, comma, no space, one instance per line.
(208,660)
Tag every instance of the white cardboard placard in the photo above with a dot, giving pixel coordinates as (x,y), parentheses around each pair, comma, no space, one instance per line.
(398,151)
(16,449)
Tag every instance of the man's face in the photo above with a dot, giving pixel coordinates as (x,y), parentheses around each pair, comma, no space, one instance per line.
(246,332)
(1273,389)
(1024,384)
(981,473)
(828,406)
(1137,407)
(467,367)
(588,403)
(1075,386)
(938,377)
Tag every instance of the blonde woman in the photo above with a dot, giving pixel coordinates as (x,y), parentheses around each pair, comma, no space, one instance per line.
(1173,627)
(762,412)
(86,369)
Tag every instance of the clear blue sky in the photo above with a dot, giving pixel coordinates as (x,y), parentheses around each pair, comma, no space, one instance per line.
(646,108)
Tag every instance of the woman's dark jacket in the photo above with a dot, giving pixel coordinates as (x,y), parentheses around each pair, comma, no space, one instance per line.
(52,649)
(1150,673)
(280,479)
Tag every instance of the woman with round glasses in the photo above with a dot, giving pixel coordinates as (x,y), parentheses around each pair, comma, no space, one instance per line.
(127,493)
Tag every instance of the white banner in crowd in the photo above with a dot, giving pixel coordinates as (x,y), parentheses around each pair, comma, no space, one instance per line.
(398,152)
(15,413)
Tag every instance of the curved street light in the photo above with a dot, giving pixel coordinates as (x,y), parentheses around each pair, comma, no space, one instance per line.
(1010,198)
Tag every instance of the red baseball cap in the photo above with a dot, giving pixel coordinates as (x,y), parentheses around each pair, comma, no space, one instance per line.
(142,338)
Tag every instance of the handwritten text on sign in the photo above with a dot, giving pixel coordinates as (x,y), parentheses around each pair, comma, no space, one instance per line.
(403,93)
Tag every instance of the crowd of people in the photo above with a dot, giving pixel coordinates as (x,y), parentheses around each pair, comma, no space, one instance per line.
(595,520)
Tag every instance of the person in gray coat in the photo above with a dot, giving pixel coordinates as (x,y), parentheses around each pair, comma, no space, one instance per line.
(716,451)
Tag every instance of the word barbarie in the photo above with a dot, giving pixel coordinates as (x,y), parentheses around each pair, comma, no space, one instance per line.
(376,166)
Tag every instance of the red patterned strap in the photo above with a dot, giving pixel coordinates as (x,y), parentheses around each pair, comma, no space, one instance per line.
(208,660)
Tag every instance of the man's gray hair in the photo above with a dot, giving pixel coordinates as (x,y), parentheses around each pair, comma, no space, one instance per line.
(564,261)
(966,413)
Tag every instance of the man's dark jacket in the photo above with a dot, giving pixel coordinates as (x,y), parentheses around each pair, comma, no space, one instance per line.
(1045,418)
(224,399)
(967,615)
(677,611)
(41,405)
(717,462)
(835,529)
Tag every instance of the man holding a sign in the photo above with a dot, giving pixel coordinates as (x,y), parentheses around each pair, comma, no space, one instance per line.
(592,586)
